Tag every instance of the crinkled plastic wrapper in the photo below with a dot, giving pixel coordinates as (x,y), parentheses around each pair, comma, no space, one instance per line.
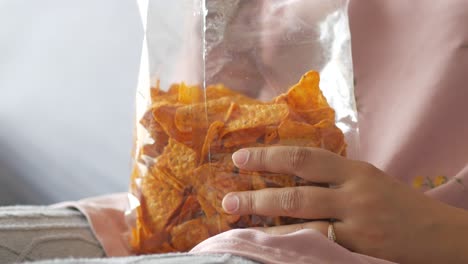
(217,76)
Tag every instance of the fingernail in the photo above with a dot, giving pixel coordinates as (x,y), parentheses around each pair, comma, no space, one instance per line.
(230,203)
(240,157)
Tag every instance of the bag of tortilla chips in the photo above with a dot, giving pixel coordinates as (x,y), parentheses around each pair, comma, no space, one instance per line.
(217,76)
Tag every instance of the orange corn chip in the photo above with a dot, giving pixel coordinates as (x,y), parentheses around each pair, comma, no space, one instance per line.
(158,96)
(216,224)
(179,160)
(306,94)
(332,138)
(189,94)
(189,234)
(164,115)
(173,89)
(229,113)
(164,175)
(190,210)
(314,116)
(148,151)
(220,157)
(251,116)
(271,135)
(213,133)
(292,133)
(207,207)
(215,182)
(145,240)
(258,182)
(153,150)
(219,91)
(279,180)
(161,139)
(199,115)
(160,202)
(148,242)
(265,180)
(243,137)
(150,123)
(281,99)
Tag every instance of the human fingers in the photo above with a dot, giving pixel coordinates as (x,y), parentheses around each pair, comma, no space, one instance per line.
(313,164)
(308,202)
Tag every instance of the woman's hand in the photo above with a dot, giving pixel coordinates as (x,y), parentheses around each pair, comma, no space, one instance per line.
(375,214)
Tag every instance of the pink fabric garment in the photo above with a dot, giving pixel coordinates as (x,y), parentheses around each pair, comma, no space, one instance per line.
(106,216)
(305,246)
(411,68)
(411,65)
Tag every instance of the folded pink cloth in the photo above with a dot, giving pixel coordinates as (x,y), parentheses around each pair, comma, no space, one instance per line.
(305,246)
(410,61)
(106,215)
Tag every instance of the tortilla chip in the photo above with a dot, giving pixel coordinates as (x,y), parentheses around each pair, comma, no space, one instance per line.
(306,94)
(148,150)
(164,115)
(230,112)
(159,202)
(219,91)
(257,180)
(261,115)
(189,234)
(149,123)
(242,138)
(280,99)
(215,181)
(165,175)
(145,241)
(314,116)
(161,140)
(271,135)
(279,180)
(269,180)
(213,133)
(159,96)
(190,94)
(178,160)
(173,89)
(332,137)
(201,115)
(207,207)
(190,209)
(292,133)
(216,224)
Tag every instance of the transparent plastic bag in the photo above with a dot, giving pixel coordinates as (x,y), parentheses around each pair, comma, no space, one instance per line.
(217,76)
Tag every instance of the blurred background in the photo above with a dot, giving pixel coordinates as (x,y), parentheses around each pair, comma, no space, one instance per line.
(68,73)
